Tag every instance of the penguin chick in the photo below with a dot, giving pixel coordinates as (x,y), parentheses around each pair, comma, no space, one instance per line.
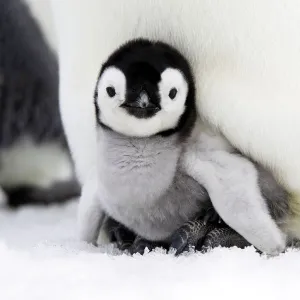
(35,164)
(156,171)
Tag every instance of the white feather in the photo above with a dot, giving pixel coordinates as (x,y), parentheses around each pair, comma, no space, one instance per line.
(244,54)
(28,163)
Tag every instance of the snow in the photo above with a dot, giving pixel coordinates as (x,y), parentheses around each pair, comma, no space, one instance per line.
(40,258)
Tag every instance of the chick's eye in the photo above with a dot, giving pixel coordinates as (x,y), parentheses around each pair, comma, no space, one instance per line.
(111,91)
(173,93)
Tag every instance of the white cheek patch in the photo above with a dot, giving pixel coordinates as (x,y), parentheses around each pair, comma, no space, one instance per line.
(111,114)
(111,77)
(173,78)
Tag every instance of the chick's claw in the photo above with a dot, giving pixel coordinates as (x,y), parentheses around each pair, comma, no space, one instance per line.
(126,240)
(204,233)
(140,244)
(119,234)
(190,235)
(223,237)
(203,236)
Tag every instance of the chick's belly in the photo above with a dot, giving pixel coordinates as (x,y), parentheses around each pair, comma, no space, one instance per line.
(154,218)
(156,229)
(155,223)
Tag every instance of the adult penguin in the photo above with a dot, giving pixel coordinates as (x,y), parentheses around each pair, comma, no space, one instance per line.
(35,165)
(245,56)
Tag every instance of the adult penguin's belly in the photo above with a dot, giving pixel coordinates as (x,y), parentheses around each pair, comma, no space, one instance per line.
(246,59)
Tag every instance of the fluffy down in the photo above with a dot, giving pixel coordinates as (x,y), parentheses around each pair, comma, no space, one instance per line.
(245,56)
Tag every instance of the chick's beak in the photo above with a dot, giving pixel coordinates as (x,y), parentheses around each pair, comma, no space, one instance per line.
(141,101)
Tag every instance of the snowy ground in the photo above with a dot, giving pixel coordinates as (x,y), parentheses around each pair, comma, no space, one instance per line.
(41,259)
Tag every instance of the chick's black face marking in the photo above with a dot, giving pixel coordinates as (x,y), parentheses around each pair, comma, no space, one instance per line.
(142,98)
(143,62)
